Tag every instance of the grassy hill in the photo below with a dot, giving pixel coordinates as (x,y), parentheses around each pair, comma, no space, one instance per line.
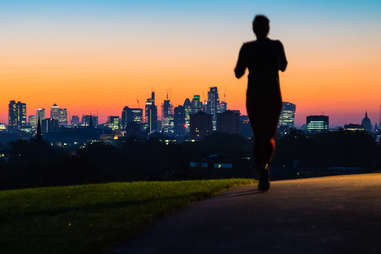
(92,218)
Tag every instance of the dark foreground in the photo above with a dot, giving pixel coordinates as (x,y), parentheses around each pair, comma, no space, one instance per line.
(337,214)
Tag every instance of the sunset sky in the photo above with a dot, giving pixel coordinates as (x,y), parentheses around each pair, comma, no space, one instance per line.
(98,56)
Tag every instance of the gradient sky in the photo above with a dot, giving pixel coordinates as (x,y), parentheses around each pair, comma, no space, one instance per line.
(98,56)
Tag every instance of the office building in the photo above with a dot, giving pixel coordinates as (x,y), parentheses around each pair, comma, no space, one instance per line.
(62,117)
(223,106)
(179,121)
(228,122)
(16,115)
(167,123)
(40,113)
(317,123)
(32,121)
(200,125)
(89,121)
(196,104)
(151,114)
(55,112)
(59,114)
(113,122)
(49,125)
(131,115)
(74,121)
(188,112)
(287,115)
(213,105)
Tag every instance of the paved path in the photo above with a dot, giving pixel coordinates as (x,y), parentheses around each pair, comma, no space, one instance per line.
(336,214)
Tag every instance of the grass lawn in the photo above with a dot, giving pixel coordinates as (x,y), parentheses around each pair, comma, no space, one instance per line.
(92,218)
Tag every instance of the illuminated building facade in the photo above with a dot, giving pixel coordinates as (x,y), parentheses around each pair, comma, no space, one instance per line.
(213,105)
(59,114)
(55,112)
(113,122)
(317,123)
(167,121)
(287,116)
(151,114)
(188,112)
(32,121)
(16,115)
(354,127)
(131,115)
(196,104)
(62,120)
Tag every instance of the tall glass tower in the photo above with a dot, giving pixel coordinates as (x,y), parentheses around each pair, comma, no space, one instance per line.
(213,105)
(151,114)
(16,114)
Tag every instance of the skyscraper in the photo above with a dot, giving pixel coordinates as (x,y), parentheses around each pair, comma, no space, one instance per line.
(126,115)
(167,124)
(40,113)
(196,104)
(151,114)
(213,105)
(188,112)
(55,112)
(179,121)
(62,117)
(16,114)
(286,118)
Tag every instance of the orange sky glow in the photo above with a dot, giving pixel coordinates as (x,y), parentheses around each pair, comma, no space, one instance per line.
(95,69)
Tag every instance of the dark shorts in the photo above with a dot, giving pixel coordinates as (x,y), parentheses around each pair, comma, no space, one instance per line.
(263,111)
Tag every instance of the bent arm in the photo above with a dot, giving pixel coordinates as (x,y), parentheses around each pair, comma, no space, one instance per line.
(282,58)
(241,63)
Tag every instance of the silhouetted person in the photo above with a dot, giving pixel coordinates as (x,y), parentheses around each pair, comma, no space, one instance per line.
(264,58)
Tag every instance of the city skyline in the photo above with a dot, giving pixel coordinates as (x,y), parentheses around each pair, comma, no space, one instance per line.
(161,117)
(99,57)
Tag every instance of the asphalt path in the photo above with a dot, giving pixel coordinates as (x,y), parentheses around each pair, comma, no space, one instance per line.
(335,214)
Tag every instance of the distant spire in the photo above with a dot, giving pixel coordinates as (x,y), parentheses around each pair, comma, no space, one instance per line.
(38,134)
(91,121)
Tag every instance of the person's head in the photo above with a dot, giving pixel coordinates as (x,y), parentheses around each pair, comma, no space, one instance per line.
(261,26)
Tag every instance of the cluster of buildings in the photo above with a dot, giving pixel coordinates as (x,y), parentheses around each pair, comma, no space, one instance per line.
(194,118)
(320,123)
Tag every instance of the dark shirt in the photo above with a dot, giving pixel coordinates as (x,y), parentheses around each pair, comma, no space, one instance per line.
(264,58)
